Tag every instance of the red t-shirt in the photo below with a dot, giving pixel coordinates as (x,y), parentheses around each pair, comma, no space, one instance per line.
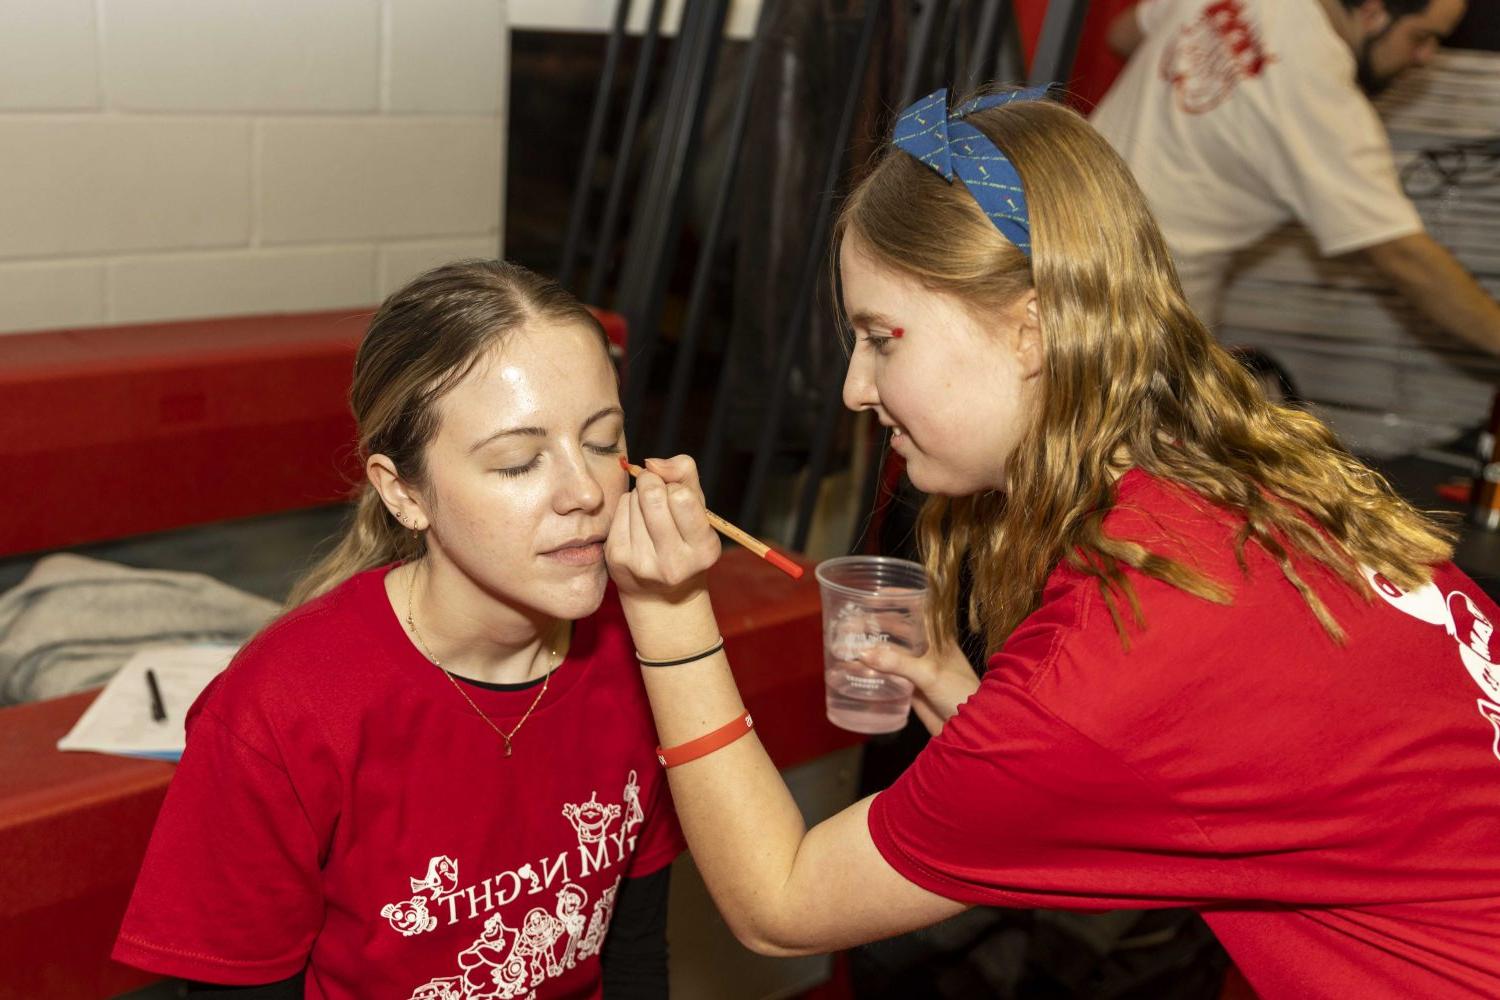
(1333,811)
(341,807)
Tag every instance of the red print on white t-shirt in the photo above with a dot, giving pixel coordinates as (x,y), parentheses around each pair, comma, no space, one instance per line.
(1211,55)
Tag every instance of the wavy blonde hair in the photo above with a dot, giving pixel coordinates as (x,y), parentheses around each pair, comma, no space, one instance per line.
(421,343)
(1128,370)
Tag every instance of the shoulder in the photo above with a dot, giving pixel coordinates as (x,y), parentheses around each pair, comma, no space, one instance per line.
(294,661)
(1304,44)
(1169,518)
(1073,634)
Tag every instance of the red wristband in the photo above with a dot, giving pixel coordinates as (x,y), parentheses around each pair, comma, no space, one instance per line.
(706,744)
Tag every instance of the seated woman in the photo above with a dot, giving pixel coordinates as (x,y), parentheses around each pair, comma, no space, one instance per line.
(1230,669)
(435,777)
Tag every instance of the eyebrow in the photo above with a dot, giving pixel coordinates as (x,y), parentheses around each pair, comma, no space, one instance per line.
(542,431)
(866,320)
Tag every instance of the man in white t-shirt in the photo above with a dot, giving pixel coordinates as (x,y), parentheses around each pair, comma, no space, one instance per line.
(1237,116)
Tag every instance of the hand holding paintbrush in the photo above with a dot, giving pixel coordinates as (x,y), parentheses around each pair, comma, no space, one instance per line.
(737,534)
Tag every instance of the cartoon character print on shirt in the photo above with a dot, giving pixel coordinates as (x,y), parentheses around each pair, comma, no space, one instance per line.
(591,819)
(511,963)
(440,989)
(570,902)
(632,795)
(1210,56)
(593,938)
(488,970)
(412,916)
(1470,628)
(441,877)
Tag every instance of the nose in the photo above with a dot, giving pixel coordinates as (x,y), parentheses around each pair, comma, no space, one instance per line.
(579,488)
(859,385)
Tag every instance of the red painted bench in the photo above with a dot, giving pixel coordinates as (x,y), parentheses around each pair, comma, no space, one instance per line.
(116,432)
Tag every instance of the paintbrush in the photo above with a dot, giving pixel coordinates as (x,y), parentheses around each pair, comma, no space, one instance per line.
(737,534)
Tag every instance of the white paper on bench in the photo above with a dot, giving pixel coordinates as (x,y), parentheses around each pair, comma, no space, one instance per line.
(119,720)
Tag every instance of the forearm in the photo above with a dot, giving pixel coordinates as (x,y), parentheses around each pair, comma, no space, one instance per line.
(781,888)
(733,805)
(1437,285)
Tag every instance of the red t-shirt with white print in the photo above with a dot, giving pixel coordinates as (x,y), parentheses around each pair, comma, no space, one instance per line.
(341,807)
(1333,810)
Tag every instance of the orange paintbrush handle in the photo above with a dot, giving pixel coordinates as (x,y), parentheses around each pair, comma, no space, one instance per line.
(737,534)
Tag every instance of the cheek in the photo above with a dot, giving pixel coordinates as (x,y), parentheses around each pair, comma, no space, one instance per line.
(614,488)
(489,501)
(913,396)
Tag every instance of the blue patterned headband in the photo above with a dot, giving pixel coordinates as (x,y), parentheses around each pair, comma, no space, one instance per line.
(942,140)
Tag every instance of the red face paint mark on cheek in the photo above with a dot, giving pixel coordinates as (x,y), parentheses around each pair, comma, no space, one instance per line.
(897,332)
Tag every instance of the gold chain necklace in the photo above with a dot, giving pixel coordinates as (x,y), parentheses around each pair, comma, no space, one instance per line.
(506,737)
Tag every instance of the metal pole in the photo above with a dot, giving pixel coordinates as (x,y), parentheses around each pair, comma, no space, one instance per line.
(610,223)
(916,51)
(817,248)
(947,47)
(976,73)
(1058,45)
(591,147)
(701,48)
(687,345)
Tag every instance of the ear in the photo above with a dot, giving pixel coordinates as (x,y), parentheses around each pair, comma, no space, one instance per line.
(1030,349)
(404,503)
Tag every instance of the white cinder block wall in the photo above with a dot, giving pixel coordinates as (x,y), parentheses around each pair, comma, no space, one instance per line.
(167,159)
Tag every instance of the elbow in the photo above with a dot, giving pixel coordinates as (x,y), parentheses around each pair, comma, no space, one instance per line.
(1397,259)
(773,942)
(773,949)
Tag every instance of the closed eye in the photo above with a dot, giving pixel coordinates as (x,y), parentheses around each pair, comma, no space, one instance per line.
(520,470)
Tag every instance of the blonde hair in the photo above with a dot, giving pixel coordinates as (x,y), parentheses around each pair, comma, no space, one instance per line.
(421,343)
(1128,370)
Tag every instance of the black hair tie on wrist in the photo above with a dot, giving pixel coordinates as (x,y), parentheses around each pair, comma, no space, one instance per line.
(710,651)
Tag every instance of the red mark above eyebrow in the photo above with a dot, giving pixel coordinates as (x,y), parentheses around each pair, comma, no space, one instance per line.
(896,331)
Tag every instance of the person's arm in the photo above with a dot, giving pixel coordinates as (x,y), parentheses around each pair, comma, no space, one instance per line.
(783,889)
(1124,33)
(1429,276)
(634,957)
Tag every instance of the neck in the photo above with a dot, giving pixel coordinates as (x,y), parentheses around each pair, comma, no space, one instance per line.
(467,631)
(1345,25)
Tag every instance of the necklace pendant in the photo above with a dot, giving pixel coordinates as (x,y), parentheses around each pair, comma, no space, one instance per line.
(507,744)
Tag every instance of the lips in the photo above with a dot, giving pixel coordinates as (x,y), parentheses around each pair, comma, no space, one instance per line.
(579,552)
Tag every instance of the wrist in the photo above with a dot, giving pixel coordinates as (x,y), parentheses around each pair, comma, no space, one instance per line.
(667,626)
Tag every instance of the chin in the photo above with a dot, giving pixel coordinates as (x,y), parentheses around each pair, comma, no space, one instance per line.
(577,598)
(939,485)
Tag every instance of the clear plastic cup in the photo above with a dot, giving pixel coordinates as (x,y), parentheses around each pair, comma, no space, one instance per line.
(869,601)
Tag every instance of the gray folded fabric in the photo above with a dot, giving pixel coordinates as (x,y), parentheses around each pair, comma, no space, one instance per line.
(73,621)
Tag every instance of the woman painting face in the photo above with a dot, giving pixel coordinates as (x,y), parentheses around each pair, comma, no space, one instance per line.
(523,474)
(957,394)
